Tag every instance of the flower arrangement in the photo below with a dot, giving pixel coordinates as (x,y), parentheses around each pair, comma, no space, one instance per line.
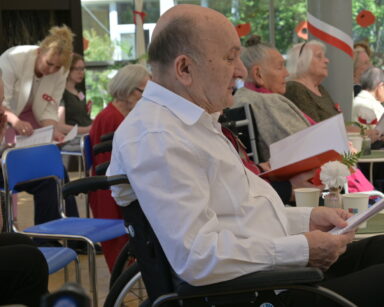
(333,175)
(365,121)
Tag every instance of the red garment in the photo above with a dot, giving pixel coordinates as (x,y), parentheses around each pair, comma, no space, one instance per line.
(101,202)
(240,148)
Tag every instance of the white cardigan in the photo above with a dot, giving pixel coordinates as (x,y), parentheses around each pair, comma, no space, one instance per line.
(17,65)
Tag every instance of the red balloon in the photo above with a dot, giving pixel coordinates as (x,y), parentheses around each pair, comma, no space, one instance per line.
(243,29)
(365,18)
(302,30)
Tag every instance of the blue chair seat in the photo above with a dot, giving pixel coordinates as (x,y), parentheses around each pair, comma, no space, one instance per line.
(58,257)
(97,230)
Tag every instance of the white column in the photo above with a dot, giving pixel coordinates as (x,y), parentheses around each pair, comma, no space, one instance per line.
(114,32)
(330,21)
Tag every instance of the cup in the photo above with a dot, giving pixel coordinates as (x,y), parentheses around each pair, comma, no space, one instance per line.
(357,141)
(307,197)
(355,203)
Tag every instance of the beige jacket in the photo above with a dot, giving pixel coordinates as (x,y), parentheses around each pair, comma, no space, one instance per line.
(17,65)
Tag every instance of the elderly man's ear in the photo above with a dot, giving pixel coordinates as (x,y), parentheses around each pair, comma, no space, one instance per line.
(183,68)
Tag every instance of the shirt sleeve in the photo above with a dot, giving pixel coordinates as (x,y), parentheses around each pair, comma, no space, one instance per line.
(9,79)
(169,177)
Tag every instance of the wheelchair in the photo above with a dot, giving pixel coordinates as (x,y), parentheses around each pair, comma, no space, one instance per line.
(163,288)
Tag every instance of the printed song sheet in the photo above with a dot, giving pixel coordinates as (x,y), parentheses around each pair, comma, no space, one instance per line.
(40,136)
(327,135)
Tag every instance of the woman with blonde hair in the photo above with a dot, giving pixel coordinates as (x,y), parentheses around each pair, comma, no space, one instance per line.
(34,80)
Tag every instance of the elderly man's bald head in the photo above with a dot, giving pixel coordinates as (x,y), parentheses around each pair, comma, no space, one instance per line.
(178,32)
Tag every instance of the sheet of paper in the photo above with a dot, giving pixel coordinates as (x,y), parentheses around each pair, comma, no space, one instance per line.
(71,134)
(359,218)
(380,125)
(326,135)
(40,136)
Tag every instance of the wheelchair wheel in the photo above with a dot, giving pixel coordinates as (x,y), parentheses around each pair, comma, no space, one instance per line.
(123,261)
(128,289)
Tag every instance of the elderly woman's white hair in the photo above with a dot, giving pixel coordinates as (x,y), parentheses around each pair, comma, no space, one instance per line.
(299,58)
(253,53)
(127,80)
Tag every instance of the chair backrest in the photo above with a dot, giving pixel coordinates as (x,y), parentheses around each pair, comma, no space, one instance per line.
(242,120)
(26,164)
(31,163)
(86,152)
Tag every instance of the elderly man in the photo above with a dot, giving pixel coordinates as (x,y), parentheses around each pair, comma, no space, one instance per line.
(214,219)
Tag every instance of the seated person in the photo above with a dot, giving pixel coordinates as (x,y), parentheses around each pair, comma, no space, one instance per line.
(23,270)
(73,108)
(361,62)
(125,88)
(276,117)
(216,220)
(371,97)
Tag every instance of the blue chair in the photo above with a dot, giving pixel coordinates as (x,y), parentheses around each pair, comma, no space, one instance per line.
(58,258)
(21,165)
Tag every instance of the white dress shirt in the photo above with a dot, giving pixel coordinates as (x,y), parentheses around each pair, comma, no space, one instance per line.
(214,219)
(363,101)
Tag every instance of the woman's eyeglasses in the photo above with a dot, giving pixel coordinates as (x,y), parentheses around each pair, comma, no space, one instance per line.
(139,89)
(302,48)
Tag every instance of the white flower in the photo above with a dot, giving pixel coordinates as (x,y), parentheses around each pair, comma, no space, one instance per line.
(334,174)
(367,114)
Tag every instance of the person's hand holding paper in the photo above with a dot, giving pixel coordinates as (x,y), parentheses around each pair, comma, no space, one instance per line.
(325,249)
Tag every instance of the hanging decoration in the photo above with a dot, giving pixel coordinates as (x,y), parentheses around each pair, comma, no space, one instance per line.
(85,44)
(243,29)
(365,18)
(302,30)
(330,34)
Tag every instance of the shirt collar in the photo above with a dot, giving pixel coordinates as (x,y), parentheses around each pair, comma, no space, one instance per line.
(185,110)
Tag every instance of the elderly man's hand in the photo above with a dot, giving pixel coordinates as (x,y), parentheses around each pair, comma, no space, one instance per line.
(325,248)
(324,219)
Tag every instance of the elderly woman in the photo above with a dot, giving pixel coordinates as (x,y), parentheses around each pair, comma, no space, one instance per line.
(34,79)
(308,67)
(276,117)
(370,99)
(125,88)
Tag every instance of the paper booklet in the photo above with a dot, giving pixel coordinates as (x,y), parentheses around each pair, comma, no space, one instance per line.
(310,146)
(359,218)
(43,136)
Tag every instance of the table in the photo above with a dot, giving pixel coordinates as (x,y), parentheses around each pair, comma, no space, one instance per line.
(375,226)
(374,157)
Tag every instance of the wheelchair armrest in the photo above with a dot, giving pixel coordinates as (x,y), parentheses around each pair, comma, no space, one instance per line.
(107,136)
(102,147)
(101,169)
(94,183)
(274,279)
